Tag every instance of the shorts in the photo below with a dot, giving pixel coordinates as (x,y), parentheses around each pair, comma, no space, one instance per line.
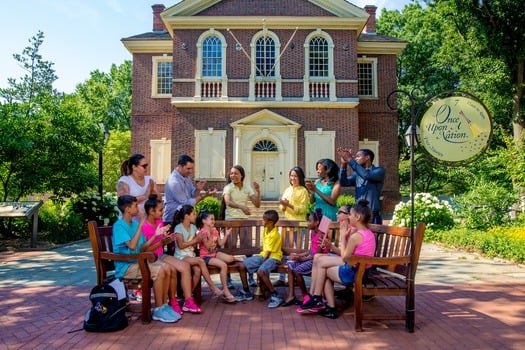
(133,271)
(207,259)
(256,262)
(301,267)
(347,274)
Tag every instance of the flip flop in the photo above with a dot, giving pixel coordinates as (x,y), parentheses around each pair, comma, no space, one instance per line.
(230,299)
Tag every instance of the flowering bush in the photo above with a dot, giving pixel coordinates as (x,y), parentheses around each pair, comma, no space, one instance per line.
(104,210)
(433,212)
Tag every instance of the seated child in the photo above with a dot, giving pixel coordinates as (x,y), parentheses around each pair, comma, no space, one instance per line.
(301,264)
(128,239)
(264,262)
(154,209)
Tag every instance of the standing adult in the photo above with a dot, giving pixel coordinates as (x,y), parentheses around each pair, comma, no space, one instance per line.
(326,189)
(134,181)
(294,203)
(179,189)
(367,179)
(235,201)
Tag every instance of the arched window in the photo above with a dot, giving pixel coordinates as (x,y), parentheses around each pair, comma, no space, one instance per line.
(319,57)
(265,146)
(212,57)
(265,57)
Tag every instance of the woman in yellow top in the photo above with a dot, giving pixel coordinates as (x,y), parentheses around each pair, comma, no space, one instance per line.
(295,199)
(294,203)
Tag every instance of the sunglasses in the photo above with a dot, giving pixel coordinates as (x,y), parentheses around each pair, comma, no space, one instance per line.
(343,212)
(145,166)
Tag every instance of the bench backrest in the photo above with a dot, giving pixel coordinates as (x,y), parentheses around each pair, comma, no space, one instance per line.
(394,241)
(101,241)
(294,234)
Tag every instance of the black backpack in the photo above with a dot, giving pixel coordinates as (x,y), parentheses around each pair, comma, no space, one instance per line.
(107,314)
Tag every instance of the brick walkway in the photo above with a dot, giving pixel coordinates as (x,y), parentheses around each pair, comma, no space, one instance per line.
(44,296)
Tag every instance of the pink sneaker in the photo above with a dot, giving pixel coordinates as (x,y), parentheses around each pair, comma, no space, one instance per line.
(299,309)
(190,306)
(174,303)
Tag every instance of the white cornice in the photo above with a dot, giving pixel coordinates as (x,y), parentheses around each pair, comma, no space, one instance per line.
(249,22)
(148,46)
(380,48)
(179,102)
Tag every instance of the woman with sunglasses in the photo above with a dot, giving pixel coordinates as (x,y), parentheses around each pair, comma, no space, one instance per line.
(134,181)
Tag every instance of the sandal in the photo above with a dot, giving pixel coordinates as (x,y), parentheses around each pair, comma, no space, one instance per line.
(230,299)
(291,302)
(218,293)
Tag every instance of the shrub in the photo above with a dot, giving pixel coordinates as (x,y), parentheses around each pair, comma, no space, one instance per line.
(211,204)
(91,207)
(435,213)
(59,223)
(485,205)
(345,199)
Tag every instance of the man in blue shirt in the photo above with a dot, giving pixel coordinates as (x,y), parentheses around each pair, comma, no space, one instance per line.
(367,179)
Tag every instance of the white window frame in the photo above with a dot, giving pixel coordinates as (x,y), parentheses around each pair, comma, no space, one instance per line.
(199,79)
(373,62)
(277,69)
(210,154)
(155,60)
(330,79)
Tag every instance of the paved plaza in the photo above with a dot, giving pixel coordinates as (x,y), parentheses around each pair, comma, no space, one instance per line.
(463,301)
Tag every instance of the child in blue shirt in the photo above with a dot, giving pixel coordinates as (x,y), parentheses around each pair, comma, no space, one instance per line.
(128,239)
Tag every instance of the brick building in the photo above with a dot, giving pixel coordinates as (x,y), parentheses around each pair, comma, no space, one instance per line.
(266,84)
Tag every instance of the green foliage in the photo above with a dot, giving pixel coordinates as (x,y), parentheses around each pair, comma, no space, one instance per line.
(345,199)
(107,97)
(437,214)
(91,206)
(47,145)
(59,223)
(114,153)
(485,205)
(211,204)
(503,242)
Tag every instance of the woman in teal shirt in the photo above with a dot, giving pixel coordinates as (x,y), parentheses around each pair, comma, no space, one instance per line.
(326,190)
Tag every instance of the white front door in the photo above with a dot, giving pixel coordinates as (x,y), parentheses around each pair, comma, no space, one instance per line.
(265,172)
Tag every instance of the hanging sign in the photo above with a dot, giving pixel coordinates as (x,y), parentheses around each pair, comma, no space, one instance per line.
(456,128)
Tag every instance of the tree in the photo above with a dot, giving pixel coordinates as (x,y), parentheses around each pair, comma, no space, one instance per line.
(47,144)
(107,97)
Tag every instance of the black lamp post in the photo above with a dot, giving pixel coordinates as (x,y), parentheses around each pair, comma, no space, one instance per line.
(411,138)
(100,163)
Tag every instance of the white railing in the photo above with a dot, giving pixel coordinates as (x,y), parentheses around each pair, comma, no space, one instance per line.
(265,89)
(211,89)
(319,90)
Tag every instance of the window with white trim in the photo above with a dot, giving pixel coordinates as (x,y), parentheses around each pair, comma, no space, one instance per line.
(265,57)
(212,57)
(265,77)
(162,76)
(367,77)
(211,81)
(318,57)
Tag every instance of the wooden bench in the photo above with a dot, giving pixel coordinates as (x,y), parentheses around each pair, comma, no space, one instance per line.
(396,259)
(101,244)
(294,234)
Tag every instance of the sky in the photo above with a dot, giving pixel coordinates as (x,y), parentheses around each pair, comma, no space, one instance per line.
(81,36)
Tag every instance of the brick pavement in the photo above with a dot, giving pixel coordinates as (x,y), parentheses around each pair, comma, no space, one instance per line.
(477,314)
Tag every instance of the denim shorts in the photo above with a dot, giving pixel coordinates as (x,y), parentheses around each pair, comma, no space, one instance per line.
(347,274)
(256,262)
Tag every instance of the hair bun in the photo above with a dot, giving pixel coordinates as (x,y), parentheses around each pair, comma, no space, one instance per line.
(152,197)
(363,202)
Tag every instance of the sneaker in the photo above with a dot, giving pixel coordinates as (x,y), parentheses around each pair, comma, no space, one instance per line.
(328,312)
(138,294)
(132,295)
(243,295)
(162,314)
(306,298)
(251,281)
(275,301)
(190,306)
(170,311)
(315,302)
(174,303)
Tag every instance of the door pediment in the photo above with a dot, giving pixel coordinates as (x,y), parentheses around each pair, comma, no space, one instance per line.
(265,118)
